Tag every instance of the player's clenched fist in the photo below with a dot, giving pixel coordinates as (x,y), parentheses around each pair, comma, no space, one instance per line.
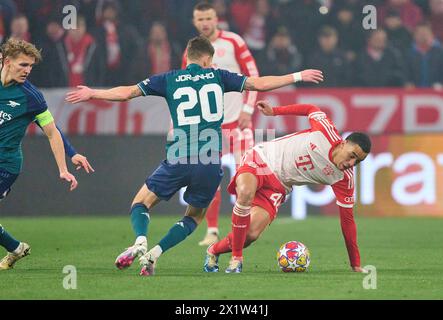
(265,108)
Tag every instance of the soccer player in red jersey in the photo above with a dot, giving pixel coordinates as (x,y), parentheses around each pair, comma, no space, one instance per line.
(269,170)
(232,54)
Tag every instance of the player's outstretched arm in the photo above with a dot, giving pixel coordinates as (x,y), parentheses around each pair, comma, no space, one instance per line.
(58,150)
(84,93)
(349,230)
(267,83)
(292,109)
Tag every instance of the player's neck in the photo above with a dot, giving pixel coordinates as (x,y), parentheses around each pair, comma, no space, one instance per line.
(194,62)
(215,35)
(5,78)
(202,63)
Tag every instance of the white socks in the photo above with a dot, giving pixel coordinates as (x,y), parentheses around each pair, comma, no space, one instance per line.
(141,240)
(212,230)
(156,252)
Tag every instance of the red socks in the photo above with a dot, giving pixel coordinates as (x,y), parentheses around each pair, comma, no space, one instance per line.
(223,246)
(241,220)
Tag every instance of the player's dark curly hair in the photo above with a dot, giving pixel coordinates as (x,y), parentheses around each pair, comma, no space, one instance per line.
(361,139)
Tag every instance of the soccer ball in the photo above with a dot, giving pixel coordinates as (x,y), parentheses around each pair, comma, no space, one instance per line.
(293,256)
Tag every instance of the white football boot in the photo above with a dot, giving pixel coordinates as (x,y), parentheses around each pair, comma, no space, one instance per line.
(11,258)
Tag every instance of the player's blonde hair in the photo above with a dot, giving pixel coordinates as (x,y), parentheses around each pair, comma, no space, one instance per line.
(14,47)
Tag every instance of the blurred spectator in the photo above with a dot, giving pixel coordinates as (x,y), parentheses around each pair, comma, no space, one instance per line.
(242,11)
(225,21)
(101,6)
(423,5)
(83,62)
(90,10)
(54,31)
(281,56)
(39,12)
(177,21)
(118,43)
(410,13)
(20,28)
(398,36)
(256,29)
(379,65)
(116,24)
(174,14)
(51,73)
(331,60)
(158,54)
(303,20)
(350,32)
(8,9)
(425,60)
(436,18)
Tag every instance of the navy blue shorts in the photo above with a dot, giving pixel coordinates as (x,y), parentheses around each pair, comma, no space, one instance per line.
(6,181)
(201,180)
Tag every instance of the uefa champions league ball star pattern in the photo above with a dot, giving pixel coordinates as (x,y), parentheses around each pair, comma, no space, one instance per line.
(293,256)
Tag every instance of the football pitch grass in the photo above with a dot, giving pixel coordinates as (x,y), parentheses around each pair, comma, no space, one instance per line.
(406,252)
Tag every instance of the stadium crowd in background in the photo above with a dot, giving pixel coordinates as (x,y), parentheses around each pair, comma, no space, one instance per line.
(283,35)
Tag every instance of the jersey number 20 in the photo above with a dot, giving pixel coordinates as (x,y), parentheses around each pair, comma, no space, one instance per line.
(193,98)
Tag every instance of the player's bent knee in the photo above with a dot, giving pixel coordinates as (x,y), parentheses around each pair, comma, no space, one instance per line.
(146,197)
(245,194)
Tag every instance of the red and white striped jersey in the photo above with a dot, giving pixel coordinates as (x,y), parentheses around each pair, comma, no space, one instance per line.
(305,157)
(232,54)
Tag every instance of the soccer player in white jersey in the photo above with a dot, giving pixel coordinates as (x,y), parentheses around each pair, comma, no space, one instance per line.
(232,54)
(269,170)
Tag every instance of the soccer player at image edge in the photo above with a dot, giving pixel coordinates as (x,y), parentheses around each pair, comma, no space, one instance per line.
(21,103)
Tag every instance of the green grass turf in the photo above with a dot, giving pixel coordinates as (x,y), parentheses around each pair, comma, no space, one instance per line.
(407,253)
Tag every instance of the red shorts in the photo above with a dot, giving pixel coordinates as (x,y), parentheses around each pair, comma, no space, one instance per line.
(236,141)
(270,192)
